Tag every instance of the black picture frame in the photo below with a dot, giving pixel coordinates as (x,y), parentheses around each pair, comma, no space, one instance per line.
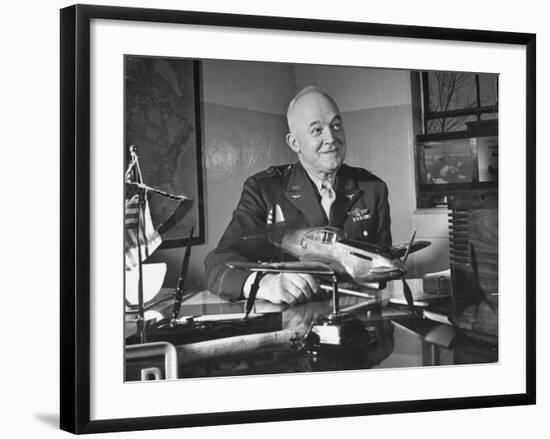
(75,217)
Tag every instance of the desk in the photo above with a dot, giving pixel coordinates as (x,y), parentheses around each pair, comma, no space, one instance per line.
(401,339)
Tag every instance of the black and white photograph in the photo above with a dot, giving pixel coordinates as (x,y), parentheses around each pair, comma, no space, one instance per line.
(302,218)
(351,218)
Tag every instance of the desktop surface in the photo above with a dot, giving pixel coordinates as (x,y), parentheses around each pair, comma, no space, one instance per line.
(395,338)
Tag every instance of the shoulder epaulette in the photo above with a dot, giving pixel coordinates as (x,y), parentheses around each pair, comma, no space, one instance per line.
(275,171)
(362,174)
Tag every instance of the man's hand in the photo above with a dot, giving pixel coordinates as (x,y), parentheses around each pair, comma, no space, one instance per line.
(291,288)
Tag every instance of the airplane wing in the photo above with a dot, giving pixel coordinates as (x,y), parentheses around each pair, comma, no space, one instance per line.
(398,251)
(313,268)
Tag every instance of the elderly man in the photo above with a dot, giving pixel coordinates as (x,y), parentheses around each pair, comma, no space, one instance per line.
(318,190)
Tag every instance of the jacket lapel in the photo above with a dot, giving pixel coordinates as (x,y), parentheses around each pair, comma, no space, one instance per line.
(301,194)
(347,193)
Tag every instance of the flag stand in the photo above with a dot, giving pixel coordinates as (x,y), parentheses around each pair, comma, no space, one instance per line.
(141,305)
(133,176)
(134,165)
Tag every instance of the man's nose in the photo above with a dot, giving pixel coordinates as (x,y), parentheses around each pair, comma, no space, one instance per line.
(328,135)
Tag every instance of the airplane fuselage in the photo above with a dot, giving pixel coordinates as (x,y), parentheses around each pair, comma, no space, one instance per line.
(328,246)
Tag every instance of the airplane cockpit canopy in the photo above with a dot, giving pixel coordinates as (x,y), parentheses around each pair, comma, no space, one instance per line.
(324,235)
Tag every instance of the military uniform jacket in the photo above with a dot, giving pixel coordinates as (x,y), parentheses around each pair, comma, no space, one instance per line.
(286,193)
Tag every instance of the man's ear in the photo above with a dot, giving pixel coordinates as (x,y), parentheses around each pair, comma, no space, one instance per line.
(292,142)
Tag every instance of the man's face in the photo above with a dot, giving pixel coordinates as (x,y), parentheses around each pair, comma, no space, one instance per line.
(317,134)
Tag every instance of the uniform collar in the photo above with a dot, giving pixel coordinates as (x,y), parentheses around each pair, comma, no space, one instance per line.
(318,182)
(301,193)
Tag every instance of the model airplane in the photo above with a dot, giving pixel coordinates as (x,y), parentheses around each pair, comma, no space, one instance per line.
(326,251)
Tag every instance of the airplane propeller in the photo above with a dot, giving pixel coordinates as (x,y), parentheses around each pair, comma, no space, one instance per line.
(406,289)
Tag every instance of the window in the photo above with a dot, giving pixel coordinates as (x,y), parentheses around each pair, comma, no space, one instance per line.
(457,148)
(325,236)
(452,99)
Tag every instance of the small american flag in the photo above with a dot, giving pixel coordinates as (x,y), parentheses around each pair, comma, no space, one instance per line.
(148,237)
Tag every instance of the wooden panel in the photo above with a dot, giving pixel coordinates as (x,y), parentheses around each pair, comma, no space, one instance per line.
(484,238)
(473,251)
(475,232)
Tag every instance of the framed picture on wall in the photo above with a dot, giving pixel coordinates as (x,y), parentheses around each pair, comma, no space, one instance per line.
(162,126)
(165,116)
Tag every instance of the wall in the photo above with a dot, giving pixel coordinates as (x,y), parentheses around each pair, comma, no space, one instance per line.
(244,125)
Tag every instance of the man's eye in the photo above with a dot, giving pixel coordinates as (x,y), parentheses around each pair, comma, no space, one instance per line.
(316,131)
(337,126)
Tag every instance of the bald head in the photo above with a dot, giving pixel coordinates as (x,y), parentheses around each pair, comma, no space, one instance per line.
(293,105)
(316,132)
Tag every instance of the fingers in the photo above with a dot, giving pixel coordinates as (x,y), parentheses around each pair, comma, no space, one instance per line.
(312,282)
(294,294)
(300,288)
(291,288)
(277,289)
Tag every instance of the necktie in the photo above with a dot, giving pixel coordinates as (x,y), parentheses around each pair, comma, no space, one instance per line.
(327,196)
